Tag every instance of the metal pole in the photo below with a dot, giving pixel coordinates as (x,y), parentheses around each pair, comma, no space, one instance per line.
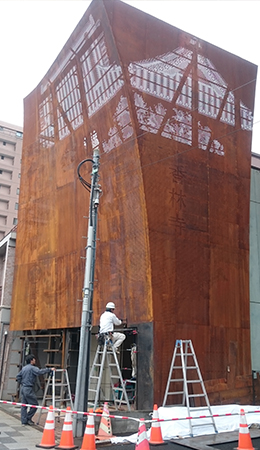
(53,389)
(81,394)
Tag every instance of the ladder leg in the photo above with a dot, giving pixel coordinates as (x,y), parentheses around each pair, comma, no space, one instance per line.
(44,399)
(203,389)
(170,375)
(93,378)
(95,361)
(119,374)
(100,377)
(58,398)
(185,387)
(108,355)
(189,366)
(53,389)
(184,368)
(69,390)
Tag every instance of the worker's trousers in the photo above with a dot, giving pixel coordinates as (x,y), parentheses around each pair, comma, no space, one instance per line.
(117,339)
(28,397)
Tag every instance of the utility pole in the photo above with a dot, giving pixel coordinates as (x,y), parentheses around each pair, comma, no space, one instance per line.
(81,394)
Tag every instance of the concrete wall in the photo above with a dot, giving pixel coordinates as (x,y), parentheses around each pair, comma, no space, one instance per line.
(255,267)
(10,343)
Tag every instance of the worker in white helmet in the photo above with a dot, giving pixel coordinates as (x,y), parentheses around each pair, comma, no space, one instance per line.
(107,321)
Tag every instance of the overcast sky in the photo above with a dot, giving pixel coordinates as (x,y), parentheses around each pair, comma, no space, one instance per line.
(33,32)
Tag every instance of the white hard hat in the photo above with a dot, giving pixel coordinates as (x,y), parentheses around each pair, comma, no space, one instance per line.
(110,305)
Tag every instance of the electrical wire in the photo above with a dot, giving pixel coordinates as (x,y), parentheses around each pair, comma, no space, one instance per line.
(84,183)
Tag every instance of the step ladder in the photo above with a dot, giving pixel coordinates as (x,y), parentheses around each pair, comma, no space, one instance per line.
(60,394)
(107,354)
(185,382)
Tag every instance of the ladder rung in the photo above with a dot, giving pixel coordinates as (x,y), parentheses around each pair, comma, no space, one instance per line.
(202,408)
(176,379)
(193,381)
(175,393)
(196,395)
(57,383)
(113,366)
(203,424)
(192,367)
(57,397)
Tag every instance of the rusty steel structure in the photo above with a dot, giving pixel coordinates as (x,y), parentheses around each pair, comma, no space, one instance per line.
(173,115)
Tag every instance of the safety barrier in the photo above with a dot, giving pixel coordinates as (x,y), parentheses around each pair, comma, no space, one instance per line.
(112,416)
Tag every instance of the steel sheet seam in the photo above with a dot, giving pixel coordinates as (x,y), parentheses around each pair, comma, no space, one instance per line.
(6,402)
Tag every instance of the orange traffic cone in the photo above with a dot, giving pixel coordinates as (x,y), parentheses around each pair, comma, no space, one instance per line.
(48,437)
(142,442)
(156,433)
(105,427)
(88,442)
(244,440)
(66,441)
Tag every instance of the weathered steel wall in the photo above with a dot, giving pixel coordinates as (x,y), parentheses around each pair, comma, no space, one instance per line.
(173,115)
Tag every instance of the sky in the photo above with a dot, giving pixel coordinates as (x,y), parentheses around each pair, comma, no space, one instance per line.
(33,32)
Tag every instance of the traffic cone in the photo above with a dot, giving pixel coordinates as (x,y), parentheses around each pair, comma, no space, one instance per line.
(66,441)
(244,439)
(88,442)
(156,433)
(48,437)
(105,427)
(142,441)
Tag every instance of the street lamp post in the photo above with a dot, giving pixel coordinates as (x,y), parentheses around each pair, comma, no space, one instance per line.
(81,394)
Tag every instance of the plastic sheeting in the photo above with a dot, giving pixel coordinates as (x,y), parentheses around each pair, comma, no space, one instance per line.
(174,429)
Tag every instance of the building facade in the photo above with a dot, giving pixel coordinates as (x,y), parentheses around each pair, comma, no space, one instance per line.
(11,140)
(173,115)
(10,343)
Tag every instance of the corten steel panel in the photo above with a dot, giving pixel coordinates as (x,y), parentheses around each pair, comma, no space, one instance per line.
(173,116)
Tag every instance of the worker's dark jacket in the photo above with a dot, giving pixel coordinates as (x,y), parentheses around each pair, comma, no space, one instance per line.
(26,376)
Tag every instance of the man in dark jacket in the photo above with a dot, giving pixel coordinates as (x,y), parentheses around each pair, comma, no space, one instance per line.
(26,378)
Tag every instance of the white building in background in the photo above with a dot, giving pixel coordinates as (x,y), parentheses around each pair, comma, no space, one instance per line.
(11,140)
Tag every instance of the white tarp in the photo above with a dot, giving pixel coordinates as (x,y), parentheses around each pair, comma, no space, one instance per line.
(174,429)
